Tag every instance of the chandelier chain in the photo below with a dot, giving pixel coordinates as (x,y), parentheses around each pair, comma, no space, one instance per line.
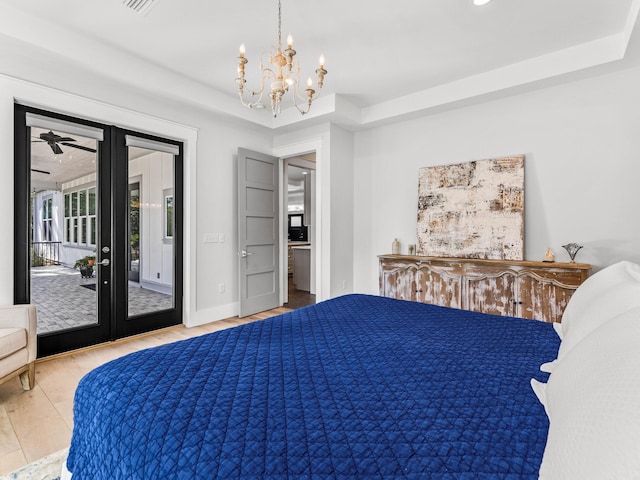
(279,24)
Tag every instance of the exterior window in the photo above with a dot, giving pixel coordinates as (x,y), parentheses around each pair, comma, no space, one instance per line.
(92,215)
(80,217)
(47,219)
(92,234)
(168,215)
(82,203)
(83,229)
(74,204)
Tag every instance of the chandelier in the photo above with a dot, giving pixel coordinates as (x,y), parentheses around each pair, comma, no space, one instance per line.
(281,75)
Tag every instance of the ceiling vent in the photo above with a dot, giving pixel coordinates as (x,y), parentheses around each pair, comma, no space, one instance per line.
(140,6)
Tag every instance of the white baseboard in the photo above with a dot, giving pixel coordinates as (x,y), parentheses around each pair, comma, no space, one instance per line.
(208,315)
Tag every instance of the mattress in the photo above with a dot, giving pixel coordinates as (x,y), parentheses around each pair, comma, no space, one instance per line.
(354,387)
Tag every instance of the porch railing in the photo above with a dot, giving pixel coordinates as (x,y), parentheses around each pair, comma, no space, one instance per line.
(45,253)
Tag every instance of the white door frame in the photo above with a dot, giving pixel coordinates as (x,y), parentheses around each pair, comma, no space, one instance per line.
(322,257)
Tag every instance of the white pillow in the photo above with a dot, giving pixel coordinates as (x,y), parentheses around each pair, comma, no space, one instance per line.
(602,296)
(548,366)
(558,328)
(540,389)
(593,402)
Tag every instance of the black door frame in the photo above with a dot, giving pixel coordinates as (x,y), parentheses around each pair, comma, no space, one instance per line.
(142,323)
(112,291)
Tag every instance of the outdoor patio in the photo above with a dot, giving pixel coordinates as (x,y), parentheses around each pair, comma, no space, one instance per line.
(65,300)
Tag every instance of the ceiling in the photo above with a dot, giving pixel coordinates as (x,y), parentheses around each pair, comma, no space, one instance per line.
(384,59)
(49,170)
(73,162)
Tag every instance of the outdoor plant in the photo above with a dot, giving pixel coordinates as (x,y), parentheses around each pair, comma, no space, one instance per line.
(85,265)
(86,261)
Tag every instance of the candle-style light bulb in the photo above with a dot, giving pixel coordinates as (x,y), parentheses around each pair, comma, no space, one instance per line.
(242,50)
(321,61)
(289,41)
(309,83)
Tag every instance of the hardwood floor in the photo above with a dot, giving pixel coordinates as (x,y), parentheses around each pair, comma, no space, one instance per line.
(298,298)
(36,423)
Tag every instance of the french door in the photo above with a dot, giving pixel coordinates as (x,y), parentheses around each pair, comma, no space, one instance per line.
(98,229)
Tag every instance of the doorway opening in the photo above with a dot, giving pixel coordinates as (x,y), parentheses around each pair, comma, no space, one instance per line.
(299,206)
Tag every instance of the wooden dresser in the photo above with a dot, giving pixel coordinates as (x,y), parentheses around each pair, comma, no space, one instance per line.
(524,289)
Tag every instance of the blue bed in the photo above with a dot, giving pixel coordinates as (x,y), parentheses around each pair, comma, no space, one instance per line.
(354,387)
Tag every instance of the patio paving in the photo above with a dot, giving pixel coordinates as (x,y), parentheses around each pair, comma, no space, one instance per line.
(63,302)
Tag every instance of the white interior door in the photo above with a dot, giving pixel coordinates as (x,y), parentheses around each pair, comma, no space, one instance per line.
(258,232)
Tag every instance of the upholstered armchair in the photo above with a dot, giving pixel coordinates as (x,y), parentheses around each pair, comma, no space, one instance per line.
(18,344)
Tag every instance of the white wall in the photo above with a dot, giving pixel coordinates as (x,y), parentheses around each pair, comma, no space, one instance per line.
(342,207)
(582,169)
(217,212)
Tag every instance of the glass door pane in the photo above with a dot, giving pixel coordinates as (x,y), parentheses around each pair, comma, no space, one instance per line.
(62,230)
(134,232)
(150,231)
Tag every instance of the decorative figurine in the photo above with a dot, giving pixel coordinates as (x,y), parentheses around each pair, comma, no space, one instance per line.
(549,256)
(572,250)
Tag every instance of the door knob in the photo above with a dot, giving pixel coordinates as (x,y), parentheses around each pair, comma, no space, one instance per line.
(245,254)
(105,262)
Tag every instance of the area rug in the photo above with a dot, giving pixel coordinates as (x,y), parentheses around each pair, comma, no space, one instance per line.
(47,468)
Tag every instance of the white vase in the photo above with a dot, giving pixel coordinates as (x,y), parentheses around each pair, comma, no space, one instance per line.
(395,247)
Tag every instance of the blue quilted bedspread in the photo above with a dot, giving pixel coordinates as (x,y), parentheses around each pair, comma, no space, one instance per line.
(354,387)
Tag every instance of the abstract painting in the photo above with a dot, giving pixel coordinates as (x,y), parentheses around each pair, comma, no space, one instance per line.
(472,210)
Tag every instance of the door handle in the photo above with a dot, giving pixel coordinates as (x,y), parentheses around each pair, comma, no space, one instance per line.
(105,262)
(245,254)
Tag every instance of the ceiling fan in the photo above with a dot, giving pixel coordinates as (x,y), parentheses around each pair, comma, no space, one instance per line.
(54,141)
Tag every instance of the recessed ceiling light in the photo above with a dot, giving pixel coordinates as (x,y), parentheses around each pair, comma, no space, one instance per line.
(480,2)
